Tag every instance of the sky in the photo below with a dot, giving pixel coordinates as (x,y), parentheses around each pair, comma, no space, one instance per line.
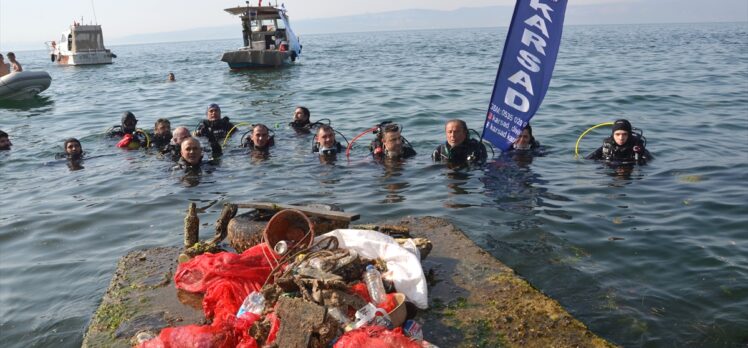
(31,21)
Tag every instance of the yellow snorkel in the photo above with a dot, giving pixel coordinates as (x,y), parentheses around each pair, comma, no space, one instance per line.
(576,147)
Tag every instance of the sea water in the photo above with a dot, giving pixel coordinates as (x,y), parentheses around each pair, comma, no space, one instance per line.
(656,256)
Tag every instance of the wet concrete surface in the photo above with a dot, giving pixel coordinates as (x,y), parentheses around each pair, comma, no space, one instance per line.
(474,300)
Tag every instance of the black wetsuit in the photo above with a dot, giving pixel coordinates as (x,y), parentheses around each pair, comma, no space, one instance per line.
(160,142)
(632,152)
(378,151)
(470,151)
(218,128)
(301,127)
(337,148)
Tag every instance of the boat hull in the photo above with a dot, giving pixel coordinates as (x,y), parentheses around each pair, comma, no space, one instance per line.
(23,85)
(254,59)
(85,58)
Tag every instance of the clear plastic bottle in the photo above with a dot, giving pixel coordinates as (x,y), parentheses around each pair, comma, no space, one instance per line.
(373,280)
(253,303)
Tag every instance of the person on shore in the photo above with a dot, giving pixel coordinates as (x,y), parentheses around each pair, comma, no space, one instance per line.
(261,140)
(459,149)
(390,144)
(622,146)
(161,134)
(214,124)
(130,137)
(5,143)
(4,67)
(171,77)
(325,143)
(301,123)
(14,63)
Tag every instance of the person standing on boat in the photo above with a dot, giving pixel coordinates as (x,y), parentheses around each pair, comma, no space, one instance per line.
(459,149)
(5,143)
(622,146)
(4,67)
(14,63)
(214,124)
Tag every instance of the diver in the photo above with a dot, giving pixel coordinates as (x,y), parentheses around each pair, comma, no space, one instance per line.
(5,143)
(301,123)
(173,149)
(623,146)
(214,124)
(131,137)
(525,141)
(73,153)
(390,144)
(459,148)
(325,143)
(260,140)
(191,157)
(161,136)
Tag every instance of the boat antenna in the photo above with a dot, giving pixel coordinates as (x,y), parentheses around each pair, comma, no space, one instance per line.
(96,21)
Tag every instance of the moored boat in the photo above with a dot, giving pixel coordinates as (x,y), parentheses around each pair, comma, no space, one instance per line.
(81,45)
(24,84)
(269,41)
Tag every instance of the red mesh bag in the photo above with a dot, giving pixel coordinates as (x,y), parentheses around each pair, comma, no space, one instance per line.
(375,337)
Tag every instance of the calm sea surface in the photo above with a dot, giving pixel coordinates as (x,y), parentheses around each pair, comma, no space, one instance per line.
(657,257)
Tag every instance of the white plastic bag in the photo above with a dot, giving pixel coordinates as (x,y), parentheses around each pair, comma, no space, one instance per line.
(407,274)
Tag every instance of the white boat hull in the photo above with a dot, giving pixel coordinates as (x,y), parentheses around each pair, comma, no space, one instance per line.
(23,85)
(85,58)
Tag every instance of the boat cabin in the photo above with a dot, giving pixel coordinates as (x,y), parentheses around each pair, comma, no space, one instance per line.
(81,44)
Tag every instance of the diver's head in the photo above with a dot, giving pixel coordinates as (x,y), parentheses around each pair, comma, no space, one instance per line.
(5,143)
(301,116)
(260,136)
(171,77)
(73,148)
(621,131)
(213,113)
(191,151)
(457,132)
(326,137)
(162,127)
(179,135)
(524,140)
(129,122)
(392,141)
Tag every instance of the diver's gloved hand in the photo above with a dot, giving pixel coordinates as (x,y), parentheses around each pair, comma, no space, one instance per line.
(215,147)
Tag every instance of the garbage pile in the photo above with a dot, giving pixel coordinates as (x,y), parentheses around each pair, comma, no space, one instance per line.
(345,288)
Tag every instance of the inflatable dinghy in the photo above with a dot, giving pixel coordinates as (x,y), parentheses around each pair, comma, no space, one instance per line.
(24,84)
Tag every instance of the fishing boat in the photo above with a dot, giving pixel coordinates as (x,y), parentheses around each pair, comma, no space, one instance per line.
(81,45)
(269,41)
(23,85)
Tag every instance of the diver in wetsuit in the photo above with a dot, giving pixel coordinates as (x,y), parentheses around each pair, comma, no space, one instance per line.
(260,140)
(214,124)
(390,144)
(459,149)
(130,137)
(173,149)
(191,156)
(623,146)
(301,123)
(161,136)
(526,141)
(325,144)
(5,143)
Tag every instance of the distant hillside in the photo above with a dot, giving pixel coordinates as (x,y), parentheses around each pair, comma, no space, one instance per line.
(661,11)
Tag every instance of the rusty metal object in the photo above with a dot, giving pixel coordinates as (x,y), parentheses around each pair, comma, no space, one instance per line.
(228,213)
(191,226)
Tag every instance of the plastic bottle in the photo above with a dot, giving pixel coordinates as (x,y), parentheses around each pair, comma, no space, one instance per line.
(373,280)
(254,303)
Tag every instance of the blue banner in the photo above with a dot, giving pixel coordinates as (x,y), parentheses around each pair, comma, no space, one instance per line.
(525,70)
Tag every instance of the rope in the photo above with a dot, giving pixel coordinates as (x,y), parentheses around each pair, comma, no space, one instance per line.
(576,147)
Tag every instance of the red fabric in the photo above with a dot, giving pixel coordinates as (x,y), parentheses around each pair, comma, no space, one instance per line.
(361,290)
(226,279)
(126,139)
(375,337)
(389,303)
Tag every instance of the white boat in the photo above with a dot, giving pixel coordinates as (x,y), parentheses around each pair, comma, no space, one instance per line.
(81,45)
(269,41)
(24,84)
